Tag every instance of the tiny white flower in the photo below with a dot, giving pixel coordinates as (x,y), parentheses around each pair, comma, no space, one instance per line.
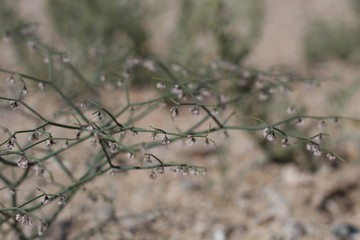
(23,162)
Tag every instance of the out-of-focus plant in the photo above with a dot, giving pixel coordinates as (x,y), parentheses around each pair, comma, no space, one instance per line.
(92,23)
(334,40)
(215,29)
(338,41)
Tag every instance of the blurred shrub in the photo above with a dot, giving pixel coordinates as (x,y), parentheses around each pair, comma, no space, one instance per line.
(339,41)
(99,34)
(85,24)
(217,29)
(335,40)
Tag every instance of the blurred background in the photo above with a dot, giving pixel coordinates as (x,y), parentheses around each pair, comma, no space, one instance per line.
(253,189)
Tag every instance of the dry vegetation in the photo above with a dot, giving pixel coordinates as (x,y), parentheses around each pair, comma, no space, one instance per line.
(246,194)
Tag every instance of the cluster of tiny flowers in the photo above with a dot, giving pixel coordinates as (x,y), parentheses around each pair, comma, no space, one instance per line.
(78,134)
(299,122)
(174,112)
(186,170)
(132,62)
(134,132)
(160,170)
(103,78)
(176,90)
(194,110)
(193,140)
(94,141)
(42,228)
(285,142)
(39,170)
(12,191)
(206,92)
(183,171)
(131,155)
(322,124)
(11,143)
(41,86)
(24,91)
(149,64)
(214,111)
(273,90)
(153,175)
(113,147)
(147,159)
(50,143)
(119,82)
(122,132)
(10,79)
(246,73)
(23,219)
(45,200)
(83,105)
(314,148)
(263,96)
(66,144)
(165,140)
(14,104)
(90,127)
(194,172)
(178,68)
(160,86)
(28,29)
(224,98)
(113,172)
(31,46)
(269,134)
(192,85)
(260,83)
(98,116)
(65,58)
(23,162)
(155,172)
(34,137)
(61,200)
(319,138)
(154,135)
(331,156)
